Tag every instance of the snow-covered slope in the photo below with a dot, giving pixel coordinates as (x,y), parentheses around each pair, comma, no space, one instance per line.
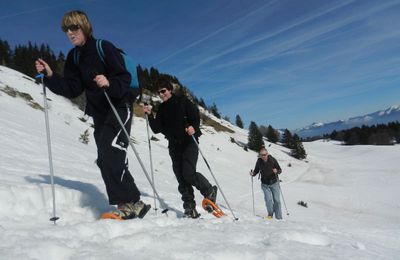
(385,116)
(352,195)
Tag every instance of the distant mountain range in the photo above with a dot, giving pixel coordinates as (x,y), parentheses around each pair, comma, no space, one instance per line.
(380,117)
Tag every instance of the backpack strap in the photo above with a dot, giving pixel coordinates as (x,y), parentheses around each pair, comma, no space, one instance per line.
(76,56)
(100,51)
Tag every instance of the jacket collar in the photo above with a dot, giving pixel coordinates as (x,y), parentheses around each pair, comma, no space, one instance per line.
(89,42)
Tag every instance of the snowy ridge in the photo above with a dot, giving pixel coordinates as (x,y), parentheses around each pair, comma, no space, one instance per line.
(348,215)
(391,114)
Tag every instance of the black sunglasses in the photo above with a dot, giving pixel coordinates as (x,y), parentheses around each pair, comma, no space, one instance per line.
(72,28)
(162,91)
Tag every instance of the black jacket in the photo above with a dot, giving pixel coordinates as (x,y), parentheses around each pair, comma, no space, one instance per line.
(173,116)
(267,175)
(78,77)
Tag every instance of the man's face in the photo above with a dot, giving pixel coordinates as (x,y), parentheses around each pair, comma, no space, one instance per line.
(264,155)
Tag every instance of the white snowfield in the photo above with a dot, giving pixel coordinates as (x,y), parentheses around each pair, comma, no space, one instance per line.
(352,195)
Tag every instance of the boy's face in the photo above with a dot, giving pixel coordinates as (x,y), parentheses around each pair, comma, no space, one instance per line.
(164,94)
(75,35)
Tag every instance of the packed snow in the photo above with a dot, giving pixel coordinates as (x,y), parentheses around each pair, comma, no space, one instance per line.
(352,194)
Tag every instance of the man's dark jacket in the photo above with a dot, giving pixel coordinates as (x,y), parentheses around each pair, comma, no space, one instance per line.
(173,116)
(267,175)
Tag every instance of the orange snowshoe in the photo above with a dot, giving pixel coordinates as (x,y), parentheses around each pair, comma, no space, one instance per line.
(211,207)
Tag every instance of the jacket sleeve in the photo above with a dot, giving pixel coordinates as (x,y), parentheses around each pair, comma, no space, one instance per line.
(277,166)
(117,75)
(70,85)
(156,123)
(192,114)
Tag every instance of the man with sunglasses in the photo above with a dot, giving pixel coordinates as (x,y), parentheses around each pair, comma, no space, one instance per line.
(179,119)
(269,168)
(84,71)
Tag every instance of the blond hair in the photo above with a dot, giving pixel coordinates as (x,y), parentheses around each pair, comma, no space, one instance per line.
(79,18)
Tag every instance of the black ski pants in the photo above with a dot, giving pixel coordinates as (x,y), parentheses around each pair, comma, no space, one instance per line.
(184,160)
(112,145)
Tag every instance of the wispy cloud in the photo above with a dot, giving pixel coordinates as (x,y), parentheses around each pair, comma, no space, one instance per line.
(259,50)
(247,44)
(30,11)
(212,34)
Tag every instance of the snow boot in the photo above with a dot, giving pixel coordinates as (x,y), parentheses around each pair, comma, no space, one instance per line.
(191,213)
(128,211)
(213,194)
(140,209)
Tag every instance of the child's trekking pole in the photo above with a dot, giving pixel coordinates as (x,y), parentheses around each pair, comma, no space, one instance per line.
(46,116)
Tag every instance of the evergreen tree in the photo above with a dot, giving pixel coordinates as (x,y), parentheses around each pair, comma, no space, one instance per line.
(272,134)
(5,53)
(153,76)
(380,134)
(60,63)
(298,150)
(143,77)
(333,135)
(24,57)
(352,137)
(263,129)
(239,122)
(214,110)
(255,139)
(180,91)
(202,103)
(380,138)
(287,138)
(195,99)
(395,130)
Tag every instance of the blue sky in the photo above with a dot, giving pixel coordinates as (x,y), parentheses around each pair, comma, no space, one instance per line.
(285,63)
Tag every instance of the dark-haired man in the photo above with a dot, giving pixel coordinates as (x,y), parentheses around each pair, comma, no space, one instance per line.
(178,119)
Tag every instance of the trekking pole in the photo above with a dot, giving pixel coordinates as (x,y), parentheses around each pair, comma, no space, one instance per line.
(151,159)
(165,209)
(283,198)
(46,116)
(212,174)
(252,193)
